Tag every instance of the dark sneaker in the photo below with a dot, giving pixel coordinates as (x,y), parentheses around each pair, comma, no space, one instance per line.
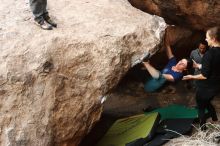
(203,128)
(216,139)
(51,22)
(44,25)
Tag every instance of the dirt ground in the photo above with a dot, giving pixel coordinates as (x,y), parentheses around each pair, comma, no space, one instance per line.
(129,99)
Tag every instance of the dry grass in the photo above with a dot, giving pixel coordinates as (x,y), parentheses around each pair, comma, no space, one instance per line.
(199,138)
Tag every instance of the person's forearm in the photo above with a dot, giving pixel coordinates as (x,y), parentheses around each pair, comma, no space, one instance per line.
(169,51)
(194,77)
(196,65)
(199,77)
(199,66)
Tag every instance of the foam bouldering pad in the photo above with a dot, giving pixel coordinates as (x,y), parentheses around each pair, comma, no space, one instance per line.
(131,129)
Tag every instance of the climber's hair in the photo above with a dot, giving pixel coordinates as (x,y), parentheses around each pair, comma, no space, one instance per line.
(214,32)
(189,64)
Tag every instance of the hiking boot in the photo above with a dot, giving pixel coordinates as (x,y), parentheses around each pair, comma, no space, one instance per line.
(51,22)
(44,25)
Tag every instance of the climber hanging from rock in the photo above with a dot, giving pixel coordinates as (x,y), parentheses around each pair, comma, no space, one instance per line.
(172,72)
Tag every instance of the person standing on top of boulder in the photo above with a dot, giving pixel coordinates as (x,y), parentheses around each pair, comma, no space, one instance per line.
(208,85)
(42,19)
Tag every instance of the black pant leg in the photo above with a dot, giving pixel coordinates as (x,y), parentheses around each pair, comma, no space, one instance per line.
(203,99)
(38,8)
(211,111)
(201,104)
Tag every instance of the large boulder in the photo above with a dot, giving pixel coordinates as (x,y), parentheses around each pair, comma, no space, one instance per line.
(51,82)
(194,14)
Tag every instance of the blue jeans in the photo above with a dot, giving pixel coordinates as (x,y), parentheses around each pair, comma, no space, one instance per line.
(152,84)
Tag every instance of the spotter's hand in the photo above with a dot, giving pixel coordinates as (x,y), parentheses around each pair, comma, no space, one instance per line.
(187,77)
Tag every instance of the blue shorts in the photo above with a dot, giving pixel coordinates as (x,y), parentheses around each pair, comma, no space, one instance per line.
(153,84)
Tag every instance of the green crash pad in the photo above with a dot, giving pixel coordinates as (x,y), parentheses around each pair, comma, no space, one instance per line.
(176,112)
(129,129)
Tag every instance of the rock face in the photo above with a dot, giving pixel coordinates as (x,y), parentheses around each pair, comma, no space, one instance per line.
(194,14)
(182,41)
(51,81)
